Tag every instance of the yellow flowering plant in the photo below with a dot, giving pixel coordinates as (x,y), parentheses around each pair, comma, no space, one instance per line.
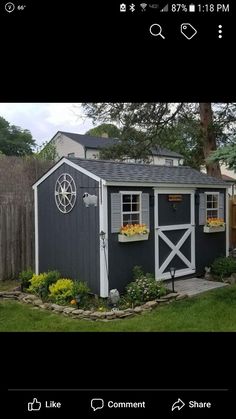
(215,222)
(132,229)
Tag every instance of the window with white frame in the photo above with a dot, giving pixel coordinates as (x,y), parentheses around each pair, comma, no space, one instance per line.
(131,208)
(169,162)
(212,205)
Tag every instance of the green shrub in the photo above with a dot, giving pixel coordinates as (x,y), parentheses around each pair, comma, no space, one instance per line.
(224,266)
(80,291)
(62,291)
(25,277)
(138,272)
(144,289)
(40,283)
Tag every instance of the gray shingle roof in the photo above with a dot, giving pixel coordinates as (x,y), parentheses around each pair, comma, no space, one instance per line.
(90,142)
(100,142)
(145,173)
(165,153)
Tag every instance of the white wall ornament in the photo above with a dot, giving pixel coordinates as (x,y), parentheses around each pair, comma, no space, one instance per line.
(65,193)
(90,200)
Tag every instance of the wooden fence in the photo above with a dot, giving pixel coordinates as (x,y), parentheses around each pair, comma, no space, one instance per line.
(17,213)
(232,222)
(16,238)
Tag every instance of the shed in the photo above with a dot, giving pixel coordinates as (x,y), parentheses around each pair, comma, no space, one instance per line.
(77,199)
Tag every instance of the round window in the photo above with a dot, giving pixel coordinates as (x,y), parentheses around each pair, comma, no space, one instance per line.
(65,193)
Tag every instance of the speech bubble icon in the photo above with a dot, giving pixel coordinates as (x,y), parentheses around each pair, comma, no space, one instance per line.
(97,404)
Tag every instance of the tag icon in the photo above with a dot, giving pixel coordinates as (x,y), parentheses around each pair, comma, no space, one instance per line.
(188,30)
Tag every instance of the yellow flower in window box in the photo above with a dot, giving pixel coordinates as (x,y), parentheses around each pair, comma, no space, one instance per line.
(133,232)
(214,225)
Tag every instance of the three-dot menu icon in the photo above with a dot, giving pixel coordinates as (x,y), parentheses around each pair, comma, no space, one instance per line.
(220,31)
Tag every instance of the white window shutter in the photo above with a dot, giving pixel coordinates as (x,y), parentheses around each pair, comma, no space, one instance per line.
(145,209)
(221,205)
(202,209)
(115,212)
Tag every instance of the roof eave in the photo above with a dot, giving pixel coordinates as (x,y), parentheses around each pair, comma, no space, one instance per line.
(165,185)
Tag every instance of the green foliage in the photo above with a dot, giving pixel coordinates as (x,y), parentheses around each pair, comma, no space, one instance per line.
(47,151)
(81,291)
(15,141)
(144,289)
(110,129)
(227,155)
(25,277)
(40,283)
(62,291)
(137,272)
(177,127)
(65,290)
(224,266)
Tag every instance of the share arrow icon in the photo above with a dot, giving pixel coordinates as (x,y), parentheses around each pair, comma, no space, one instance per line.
(178,405)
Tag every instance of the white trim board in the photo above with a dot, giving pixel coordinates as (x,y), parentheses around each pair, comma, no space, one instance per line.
(36,231)
(164,185)
(103,226)
(227,222)
(70,163)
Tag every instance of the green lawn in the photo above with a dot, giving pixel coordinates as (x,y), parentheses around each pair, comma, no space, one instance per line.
(211,311)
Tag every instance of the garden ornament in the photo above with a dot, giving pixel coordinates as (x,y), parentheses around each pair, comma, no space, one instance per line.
(90,200)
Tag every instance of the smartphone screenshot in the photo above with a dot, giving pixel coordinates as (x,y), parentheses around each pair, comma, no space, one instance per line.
(117,209)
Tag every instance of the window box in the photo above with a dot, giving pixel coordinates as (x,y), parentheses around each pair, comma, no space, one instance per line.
(211,229)
(136,237)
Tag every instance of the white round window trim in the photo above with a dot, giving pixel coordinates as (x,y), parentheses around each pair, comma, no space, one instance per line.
(65,193)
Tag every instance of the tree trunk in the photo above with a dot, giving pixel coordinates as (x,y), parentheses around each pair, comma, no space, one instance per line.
(208,138)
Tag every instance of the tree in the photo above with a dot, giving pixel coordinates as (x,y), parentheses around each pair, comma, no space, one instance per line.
(110,129)
(194,130)
(225,155)
(15,141)
(47,151)
(208,138)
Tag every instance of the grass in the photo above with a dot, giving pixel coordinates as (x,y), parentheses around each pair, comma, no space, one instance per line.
(212,311)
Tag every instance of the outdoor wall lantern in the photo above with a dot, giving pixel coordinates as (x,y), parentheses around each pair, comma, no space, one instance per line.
(172,274)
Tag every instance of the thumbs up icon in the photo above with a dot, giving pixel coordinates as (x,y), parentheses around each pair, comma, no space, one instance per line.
(34,405)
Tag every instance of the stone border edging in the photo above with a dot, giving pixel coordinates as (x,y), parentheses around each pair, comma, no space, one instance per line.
(89,314)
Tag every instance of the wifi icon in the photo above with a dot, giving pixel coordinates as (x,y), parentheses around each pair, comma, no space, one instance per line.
(143,6)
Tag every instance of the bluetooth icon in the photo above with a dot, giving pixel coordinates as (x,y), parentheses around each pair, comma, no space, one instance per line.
(132,7)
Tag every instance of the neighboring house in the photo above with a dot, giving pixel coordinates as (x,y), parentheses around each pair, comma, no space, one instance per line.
(82,241)
(69,144)
(228,176)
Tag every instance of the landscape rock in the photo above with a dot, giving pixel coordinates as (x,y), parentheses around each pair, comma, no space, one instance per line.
(138,310)
(181,297)
(172,295)
(37,302)
(150,304)
(78,311)
(68,310)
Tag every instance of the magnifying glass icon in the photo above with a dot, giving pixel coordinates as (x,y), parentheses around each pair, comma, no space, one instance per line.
(156,30)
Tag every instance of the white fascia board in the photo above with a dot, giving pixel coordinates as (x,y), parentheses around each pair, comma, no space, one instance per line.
(69,163)
(36,231)
(165,185)
(103,226)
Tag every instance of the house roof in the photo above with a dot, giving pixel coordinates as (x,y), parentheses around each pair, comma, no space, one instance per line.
(227,178)
(90,142)
(101,142)
(111,171)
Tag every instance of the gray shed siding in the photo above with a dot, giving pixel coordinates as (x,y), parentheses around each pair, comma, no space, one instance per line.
(123,257)
(69,242)
(208,246)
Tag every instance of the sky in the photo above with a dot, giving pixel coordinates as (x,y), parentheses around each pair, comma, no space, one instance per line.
(43,120)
